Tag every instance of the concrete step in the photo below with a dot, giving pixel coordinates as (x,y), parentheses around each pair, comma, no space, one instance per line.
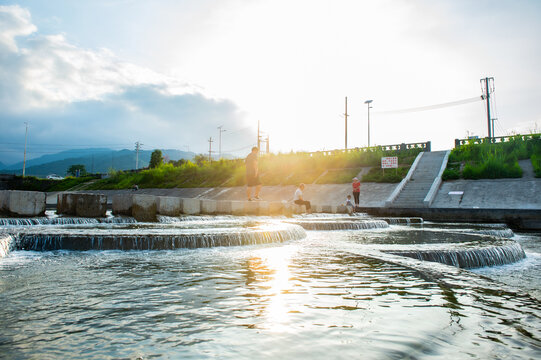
(415,191)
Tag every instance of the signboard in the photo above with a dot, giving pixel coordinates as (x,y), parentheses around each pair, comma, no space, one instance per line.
(389,162)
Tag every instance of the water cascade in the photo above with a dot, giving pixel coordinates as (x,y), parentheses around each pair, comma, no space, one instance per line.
(155,240)
(341,225)
(501,233)
(403,220)
(6,242)
(469,258)
(65,221)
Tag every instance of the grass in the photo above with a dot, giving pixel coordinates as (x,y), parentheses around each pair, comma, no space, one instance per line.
(387,176)
(31,183)
(339,176)
(536,163)
(274,169)
(492,161)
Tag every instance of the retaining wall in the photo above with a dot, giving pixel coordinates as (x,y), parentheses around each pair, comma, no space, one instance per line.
(145,207)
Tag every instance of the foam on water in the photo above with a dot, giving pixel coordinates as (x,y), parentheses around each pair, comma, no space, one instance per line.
(6,242)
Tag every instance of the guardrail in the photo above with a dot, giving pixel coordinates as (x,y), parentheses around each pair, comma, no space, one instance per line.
(426,146)
(494,140)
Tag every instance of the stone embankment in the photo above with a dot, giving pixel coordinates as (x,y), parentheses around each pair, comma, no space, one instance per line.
(145,208)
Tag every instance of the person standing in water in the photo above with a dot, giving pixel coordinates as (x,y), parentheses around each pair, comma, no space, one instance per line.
(252,175)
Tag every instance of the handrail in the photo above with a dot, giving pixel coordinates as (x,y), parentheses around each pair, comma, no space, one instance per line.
(426,146)
(495,140)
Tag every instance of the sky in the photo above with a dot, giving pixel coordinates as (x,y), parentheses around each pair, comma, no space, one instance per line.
(167,73)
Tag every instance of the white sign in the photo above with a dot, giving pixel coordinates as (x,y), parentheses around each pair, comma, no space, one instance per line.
(389,162)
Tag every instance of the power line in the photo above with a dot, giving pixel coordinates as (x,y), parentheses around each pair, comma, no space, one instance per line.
(431,107)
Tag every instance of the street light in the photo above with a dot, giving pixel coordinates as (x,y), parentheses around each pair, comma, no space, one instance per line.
(367,102)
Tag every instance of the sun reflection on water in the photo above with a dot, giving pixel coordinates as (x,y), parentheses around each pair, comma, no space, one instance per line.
(270,272)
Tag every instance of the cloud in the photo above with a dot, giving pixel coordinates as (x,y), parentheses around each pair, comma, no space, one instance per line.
(71,95)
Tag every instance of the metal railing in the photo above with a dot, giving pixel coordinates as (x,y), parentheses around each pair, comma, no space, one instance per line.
(426,146)
(494,140)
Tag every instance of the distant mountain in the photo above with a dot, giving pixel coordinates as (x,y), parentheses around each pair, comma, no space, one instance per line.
(67,154)
(2,165)
(100,161)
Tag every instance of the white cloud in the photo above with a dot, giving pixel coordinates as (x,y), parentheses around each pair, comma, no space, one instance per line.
(52,72)
(14,22)
(71,96)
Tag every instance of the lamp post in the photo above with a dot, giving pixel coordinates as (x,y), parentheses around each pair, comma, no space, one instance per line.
(367,102)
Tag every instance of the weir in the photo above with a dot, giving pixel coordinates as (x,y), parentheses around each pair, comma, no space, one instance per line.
(65,221)
(149,240)
(507,253)
(341,224)
(461,245)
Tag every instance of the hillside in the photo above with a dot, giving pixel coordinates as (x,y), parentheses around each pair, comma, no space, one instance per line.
(95,161)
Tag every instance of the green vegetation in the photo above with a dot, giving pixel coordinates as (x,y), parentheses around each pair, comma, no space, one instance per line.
(32,183)
(536,163)
(275,169)
(387,176)
(156,159)
(493,160)
(75,170)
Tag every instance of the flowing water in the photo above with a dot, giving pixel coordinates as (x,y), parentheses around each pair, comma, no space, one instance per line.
(287,292)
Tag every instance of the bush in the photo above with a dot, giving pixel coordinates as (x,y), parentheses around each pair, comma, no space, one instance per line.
(389,176)
(450,174)
(492,160)
(536,163)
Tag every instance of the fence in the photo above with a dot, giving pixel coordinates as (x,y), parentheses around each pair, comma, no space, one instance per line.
(494,140)
(426,146)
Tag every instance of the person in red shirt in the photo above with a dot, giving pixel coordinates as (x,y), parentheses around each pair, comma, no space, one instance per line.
(356,190)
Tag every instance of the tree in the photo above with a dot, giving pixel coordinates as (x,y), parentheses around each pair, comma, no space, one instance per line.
(77,170)
(200,159)
(156,159)
(178,163)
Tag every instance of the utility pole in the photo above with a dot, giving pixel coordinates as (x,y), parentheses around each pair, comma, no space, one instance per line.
(210,148)
(346,125)
(220,143)
(486,96)
(24,156)
(268,146)
(368,102)
(137,148)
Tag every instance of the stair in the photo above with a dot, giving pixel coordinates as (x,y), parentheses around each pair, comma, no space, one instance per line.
(415,191)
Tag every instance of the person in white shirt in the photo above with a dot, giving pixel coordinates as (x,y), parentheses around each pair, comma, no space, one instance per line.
(298,199)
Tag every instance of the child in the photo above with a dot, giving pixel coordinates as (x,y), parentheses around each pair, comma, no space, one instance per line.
(350,208)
